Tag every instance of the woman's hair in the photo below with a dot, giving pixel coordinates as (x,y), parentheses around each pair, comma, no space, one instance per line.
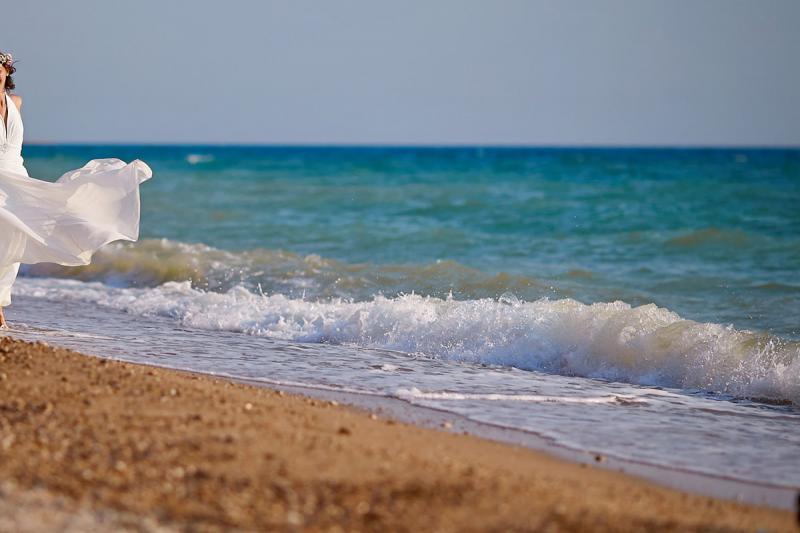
(10,69)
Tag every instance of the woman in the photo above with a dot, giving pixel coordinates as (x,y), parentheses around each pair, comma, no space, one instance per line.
(63,222)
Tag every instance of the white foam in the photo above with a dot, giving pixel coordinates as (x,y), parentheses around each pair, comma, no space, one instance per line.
(644,345)
(416,394)
(195,159)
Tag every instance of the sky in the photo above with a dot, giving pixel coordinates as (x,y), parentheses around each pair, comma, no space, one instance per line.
(419,72)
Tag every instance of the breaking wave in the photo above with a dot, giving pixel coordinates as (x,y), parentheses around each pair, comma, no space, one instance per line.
(152,262)
(644,345)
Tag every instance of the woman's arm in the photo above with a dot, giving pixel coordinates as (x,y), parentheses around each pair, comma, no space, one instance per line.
(17,101)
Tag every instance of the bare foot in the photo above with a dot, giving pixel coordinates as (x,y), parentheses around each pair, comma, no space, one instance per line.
(3,323)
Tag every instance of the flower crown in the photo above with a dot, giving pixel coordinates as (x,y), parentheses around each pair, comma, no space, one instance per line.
(6,59)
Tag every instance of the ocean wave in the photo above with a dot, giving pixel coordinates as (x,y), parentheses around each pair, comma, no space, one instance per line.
(643,345)
(153,262)
(710,237)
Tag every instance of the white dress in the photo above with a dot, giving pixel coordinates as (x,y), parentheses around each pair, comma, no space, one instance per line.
(66,221)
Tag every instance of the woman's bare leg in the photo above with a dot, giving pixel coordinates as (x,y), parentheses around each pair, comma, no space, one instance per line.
(8,273)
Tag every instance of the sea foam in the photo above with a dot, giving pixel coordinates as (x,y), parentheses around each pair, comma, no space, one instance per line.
(644,345)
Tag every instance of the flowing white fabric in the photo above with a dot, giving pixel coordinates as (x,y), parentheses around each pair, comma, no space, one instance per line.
(63,222)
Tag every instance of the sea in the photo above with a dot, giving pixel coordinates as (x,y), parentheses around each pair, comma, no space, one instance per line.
(640,304)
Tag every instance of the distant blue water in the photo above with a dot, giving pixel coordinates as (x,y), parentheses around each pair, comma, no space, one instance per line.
(713,235)
(638,303)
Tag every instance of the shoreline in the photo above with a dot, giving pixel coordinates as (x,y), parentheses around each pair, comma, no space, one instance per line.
(705,483)
(700,483)
(194,451)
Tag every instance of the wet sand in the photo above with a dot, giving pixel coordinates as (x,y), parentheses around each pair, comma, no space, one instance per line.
(149,448)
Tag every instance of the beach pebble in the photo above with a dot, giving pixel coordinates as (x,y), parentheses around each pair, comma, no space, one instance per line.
(7,441)
(294,518)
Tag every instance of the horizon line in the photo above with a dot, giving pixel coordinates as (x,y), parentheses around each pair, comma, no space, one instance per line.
(433,146)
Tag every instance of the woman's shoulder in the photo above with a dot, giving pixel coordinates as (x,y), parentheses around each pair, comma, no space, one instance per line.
(17,99)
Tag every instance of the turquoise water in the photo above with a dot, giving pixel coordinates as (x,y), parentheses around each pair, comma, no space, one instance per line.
(643,304)
(713,235)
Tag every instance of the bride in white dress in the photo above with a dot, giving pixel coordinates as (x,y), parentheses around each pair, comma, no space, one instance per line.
(63,222)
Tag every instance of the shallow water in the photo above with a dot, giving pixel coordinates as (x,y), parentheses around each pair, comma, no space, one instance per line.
(639,303)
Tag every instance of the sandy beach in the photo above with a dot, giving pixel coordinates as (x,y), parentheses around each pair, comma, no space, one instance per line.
(124,446)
